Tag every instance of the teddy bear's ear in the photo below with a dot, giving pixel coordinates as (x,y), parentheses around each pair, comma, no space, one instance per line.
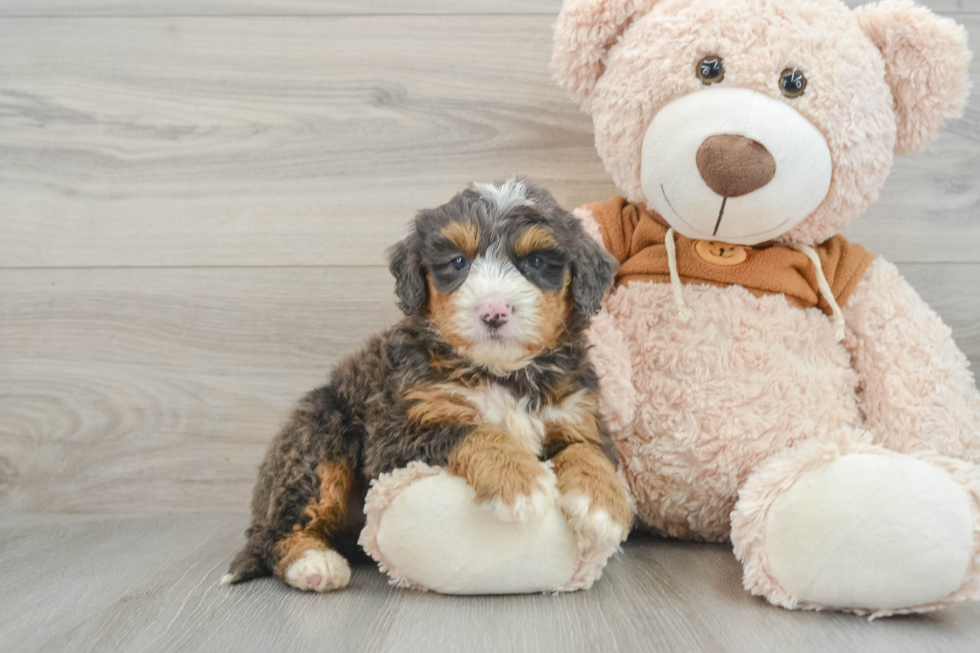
(586,29)
(926,62)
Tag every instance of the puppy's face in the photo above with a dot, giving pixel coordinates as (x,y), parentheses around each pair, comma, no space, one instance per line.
(499,270)
(498,291)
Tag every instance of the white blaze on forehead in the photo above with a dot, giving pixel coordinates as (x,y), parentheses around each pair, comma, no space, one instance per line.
(494,275)
(673,185)
(504,197)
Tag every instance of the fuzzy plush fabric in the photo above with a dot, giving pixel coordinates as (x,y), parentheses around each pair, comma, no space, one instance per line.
(425,531)
(851,445)
(926,64)
(383,491)
(716,395)
(767,485)
(624,61)
(917,390)
(748,376)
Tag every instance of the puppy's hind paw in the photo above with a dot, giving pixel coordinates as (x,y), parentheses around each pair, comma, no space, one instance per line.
(319,571)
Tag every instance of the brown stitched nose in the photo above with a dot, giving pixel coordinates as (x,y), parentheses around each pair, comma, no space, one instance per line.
(733,166)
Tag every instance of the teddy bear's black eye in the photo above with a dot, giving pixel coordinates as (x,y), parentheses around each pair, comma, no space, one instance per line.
(710,70)
(792,83)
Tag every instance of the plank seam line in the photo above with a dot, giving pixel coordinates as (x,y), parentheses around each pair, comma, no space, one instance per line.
(12,268)
(192,267)
(388,15)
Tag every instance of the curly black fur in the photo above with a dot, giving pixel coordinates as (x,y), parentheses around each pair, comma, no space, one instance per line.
(359,418)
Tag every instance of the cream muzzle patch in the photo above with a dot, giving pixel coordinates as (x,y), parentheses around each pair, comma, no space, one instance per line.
(733,165)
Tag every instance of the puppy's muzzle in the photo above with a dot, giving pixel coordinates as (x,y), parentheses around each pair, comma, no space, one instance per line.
(495,313)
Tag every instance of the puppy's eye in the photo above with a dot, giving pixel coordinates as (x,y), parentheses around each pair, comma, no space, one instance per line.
(710,70)
(792,83)
(459,263)
(534,263)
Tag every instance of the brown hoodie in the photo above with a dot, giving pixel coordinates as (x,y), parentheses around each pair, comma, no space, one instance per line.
(635,236)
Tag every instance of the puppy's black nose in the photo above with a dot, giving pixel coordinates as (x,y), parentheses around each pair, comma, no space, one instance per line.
(494,313)
(495,321)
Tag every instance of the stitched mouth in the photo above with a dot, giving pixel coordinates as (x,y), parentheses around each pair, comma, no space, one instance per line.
(679,216)
(718,222)
(720,213)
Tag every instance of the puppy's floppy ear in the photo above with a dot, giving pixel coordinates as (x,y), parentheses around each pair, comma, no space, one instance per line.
(593,270)
(585,31)
(405,263)
(926,66)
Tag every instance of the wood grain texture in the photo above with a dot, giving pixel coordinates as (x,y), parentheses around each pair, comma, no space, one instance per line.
(154,390)
(169,8)
(939,6)
(259,143)
(313,140)
(157,390)
(23,8)
(282,141)
(97,583)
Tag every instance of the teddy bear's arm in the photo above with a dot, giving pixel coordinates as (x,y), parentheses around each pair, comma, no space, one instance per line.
(915,384)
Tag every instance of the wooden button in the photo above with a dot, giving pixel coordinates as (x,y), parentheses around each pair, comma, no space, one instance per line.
(717,253)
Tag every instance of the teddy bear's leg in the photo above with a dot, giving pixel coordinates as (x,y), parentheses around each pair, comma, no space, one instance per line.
(426,531)
(839,522)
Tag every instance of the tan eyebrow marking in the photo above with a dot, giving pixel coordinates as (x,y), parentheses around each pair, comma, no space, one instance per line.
(534,238)
(464,235)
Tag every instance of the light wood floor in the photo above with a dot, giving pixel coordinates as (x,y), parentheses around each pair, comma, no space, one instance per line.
(195,197)
(90,583)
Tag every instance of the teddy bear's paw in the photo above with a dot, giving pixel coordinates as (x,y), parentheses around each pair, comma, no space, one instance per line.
(526,505)
(592,523)
(319,571)
(874,531)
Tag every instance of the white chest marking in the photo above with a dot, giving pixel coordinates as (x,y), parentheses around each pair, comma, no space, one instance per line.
(501,408)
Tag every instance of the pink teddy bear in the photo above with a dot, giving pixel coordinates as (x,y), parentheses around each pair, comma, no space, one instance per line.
(766,380)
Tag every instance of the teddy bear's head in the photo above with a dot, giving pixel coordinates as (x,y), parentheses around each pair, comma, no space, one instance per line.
(751,120)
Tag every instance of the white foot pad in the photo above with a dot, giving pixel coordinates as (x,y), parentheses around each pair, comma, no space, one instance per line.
(873,532)
(319,571)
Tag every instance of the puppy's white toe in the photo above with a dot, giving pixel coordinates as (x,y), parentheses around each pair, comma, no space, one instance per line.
(228,579)
(592,524)
(319,571)
(528,506)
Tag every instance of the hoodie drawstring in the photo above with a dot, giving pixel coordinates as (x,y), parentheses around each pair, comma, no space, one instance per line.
(683,312)
(825,291)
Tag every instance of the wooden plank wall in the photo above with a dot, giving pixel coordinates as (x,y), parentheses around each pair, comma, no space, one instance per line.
(195,197)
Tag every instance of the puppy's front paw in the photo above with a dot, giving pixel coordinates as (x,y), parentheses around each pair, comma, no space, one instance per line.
(506,478)
(527,501)
(592,496)
(593,523)
(319,571)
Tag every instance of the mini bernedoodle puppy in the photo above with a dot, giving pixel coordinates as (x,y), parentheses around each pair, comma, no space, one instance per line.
(487,375)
